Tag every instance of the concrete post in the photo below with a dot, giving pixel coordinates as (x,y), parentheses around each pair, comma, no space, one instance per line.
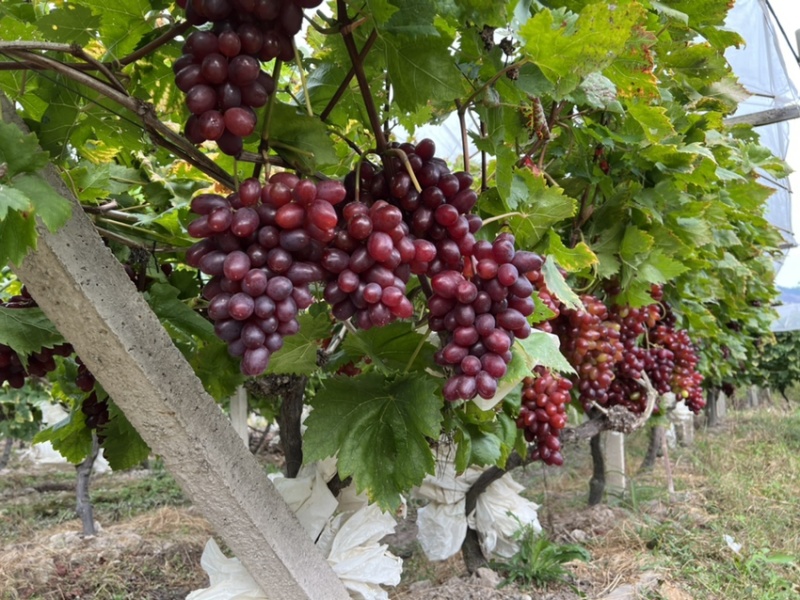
(722,405)
(239,415)
(614,453)
(86,293)
(683,421)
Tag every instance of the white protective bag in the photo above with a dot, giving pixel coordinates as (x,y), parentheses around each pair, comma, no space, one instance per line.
(349,541)
(499,512)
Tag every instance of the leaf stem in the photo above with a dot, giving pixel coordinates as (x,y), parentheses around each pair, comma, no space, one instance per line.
(503,216)
(263,147)
(404,159)
(462,120)
(425,285)
(484,160)
(417,350)
(299,62)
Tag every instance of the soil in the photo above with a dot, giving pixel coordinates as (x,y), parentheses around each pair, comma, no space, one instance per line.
(156,555)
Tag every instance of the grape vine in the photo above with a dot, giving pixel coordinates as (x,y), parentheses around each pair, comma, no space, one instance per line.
(572,154)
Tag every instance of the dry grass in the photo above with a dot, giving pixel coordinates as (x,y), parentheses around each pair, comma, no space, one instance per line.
(154,556)
(742,480)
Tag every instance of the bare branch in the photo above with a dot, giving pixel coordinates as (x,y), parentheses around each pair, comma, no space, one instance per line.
(164,38)
(361,77)
(348,78)
(161,134)
(462,120)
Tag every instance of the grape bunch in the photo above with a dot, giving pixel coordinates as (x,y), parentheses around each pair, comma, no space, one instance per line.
(39,363)
(262,248)
(591,343)
(480,316)
(543,414)
(96,413)
(659,365)
(435,203)
(220,69)
(685,381)
(368,265)
(481,291)
(632,324)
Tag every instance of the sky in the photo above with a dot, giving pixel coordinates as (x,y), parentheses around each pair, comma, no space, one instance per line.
(788,12)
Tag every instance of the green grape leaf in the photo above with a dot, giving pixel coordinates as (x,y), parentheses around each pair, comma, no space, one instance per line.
(694,230)
(598,91)
(27,330)
(507,430)
(421,70)
(571,259)
(415,18)
(90,182)
(50,206)
(544,349)
(541,312)
(303,141)
(381,10)
(558,286)
(182,323)
(123,24)
(123,447)
(636,292)
(13,199)
(390,347)
(20,151)
(488,443)
(69,24)
(653,120)
(635,244)
(463,449)
(217,369)
(534,207)
(660,268)
(663,9)
(299,353)
(70,437)
(17,236)
(379,427)
(486,448)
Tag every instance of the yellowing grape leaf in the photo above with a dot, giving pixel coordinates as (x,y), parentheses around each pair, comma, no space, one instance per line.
(571,259)
(598,36)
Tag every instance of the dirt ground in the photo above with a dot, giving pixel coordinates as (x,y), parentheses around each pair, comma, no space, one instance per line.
(156,554)
(151,539)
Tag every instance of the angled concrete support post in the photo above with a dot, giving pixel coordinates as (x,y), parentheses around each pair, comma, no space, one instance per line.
(86,293)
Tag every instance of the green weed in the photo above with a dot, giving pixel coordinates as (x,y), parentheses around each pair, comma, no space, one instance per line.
(539,561)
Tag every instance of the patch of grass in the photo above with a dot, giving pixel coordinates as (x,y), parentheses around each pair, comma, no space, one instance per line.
(747,481)
(32,501)
(123,499)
